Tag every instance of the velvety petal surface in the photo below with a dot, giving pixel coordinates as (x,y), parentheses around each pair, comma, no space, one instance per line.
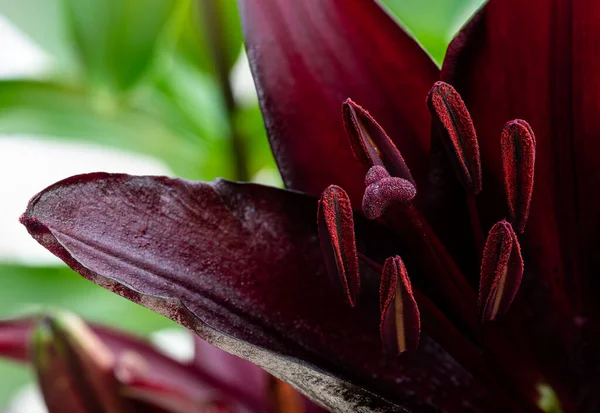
(538,60)
(241,265)
(307,58)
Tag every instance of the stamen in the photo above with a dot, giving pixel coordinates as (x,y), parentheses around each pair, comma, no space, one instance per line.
(383,190)
(336,236)
(450,113)
(369,142)
(501,271)
(400,325)
(518,162)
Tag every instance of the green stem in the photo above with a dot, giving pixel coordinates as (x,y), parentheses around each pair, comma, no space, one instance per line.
(214,31)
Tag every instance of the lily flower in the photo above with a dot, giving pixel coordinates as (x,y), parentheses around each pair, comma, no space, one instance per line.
(434,248)
(85,368)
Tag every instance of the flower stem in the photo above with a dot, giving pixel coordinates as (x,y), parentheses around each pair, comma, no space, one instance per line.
(216,40)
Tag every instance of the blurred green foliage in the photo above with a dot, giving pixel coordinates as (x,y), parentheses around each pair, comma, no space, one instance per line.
(137,75)
(143,76)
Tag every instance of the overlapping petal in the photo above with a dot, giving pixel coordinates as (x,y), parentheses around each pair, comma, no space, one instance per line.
(241,265)
(307,57)
(537,60)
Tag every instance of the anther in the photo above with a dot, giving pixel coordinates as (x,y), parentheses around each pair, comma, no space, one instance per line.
(369,142)
(452,117)
(501,271)
(400,324)
(383,190)
(518,161)
(336,236)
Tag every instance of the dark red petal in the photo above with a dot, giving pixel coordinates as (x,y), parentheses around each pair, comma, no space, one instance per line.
(336,236)
(518,161)
(537,60)
(241,265)
(451,115)
(400,325)
(490,66)
(307,58)
(370,143)
(172,400)
(14,340)
(501,271)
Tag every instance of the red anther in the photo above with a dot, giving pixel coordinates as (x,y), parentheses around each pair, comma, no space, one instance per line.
(336,236)
(369,142)
(449,111)
(501,271)
(400,324)
(518,161)
(383,190)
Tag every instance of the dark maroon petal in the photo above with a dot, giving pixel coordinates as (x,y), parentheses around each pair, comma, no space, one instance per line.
(14,340)
(241,265)
(518,161)
(400,325)
(336,236)
(307,58)
(501,271)
(537,60)
(172,400)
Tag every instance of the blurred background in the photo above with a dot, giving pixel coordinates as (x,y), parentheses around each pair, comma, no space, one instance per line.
(157,87)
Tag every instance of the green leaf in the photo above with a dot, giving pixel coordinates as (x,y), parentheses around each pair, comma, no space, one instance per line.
(116,40)
(26,289)
(56,111)
(433,22)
